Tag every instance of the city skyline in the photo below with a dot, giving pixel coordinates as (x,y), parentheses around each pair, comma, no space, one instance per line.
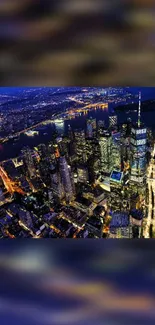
(5,90)
(77,162)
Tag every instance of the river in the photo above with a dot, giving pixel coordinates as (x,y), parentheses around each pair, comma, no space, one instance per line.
(13,147)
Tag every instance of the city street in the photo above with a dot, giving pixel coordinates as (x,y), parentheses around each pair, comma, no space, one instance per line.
(151,193)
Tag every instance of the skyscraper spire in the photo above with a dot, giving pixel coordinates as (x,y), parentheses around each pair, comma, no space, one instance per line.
(139,110)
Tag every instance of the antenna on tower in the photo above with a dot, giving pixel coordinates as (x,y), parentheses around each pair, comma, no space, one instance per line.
(139,110)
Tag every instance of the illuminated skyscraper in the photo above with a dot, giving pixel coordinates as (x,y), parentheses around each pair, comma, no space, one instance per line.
(100,124)
(138,150)
(82,173)
(80,144)
(100,127)
(28,157)
(70,133)
(67,182)
(116,156)
(56,183)
(138,154)
(105,143)
(91,127)
(113,121)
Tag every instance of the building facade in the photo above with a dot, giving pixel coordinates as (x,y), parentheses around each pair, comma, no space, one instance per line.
(138,154)
(67,182)
(105,142)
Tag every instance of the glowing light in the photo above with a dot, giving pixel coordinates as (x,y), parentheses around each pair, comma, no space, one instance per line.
(10,185)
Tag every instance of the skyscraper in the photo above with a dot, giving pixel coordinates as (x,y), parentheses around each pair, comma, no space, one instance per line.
(116,155)
(28,155)
(138,154)
(100,124)
(82,172)
(70,133)
(113,121)
(138,149)
(65,173)
(105,142)
(100,127)
(91,127)
(80,144)
(56,183)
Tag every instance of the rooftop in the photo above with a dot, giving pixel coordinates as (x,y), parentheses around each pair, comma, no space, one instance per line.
(119,219)
(116,176)
(83,201)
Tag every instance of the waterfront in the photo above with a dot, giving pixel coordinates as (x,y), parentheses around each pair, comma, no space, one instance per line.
(12,148)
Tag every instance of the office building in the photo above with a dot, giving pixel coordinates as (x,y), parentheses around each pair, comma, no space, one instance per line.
(116,151)
(100,124)
(116,190)
(65,172)
(138,154)
(91,127)
(113,121)
(80,146)
(105,142)
(28,158)
(82,172)
(138,150)
(56,183)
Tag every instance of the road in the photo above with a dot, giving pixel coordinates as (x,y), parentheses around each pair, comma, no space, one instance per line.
(10,185)
(151,195)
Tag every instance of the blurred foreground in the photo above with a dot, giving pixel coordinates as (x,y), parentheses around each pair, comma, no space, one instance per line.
(77,42)
(78,282)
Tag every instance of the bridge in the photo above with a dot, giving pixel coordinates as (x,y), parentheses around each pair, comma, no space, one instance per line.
(55,116)
(87,107)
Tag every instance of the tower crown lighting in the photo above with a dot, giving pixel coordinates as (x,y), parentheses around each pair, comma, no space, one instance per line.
(139,110)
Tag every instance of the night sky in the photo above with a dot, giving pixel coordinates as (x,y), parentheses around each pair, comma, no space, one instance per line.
(147,92)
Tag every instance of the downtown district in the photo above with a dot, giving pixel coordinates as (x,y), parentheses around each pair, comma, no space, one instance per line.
(95,182)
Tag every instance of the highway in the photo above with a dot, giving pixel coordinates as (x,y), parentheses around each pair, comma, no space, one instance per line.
(10,185)
(150,221)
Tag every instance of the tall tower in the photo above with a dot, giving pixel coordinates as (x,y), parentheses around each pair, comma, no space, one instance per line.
(113,121)
(80,145)
(138,149)
(116,151)
(91,127)
(65,173)
(139,110)
(105,142)
(56,183)
(28,157)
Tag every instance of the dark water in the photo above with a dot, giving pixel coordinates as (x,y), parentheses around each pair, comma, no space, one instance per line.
(12,148)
